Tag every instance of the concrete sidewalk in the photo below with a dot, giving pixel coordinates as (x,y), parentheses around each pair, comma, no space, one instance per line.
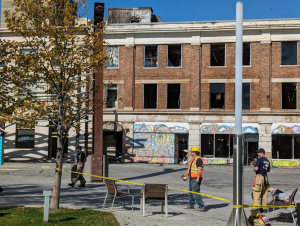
(24,188)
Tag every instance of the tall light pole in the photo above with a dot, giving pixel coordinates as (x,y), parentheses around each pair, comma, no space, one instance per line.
(238,216)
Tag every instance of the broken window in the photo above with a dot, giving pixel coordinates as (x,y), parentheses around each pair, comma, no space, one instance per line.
(222,146)
(151,56)
(173,98)
(296,146)
(207,145)
(217,54)
(174,55)
(246,96)
(282,147)
(113,56)
(288,53)
(217,95)
(246,54)
(150,96)
(289,96)
(111,100)
(24,136)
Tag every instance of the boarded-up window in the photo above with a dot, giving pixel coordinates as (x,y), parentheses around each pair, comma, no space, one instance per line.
(289,96)
(174,55)
(288,53)
(246,96)
(111,96)
(217,95)
(246,54)
(217,54)
(150,56)
(173,97)
(113,56)
(150,96)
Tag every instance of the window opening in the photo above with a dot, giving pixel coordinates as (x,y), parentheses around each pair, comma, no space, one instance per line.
(207,145)
(282,147)
(24,136)
(297,146)
(222,146)
(174,55)
(173,99)
(151,56)
(183,148)
(113,56)
(111,96)
(150,96)
(217,54)
(289,96)
(246,54)
(217,95)
(288,53)
(246,96)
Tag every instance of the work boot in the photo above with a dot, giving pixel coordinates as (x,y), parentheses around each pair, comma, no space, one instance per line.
(81,186)
(189,207)
(71,184)
(200,208)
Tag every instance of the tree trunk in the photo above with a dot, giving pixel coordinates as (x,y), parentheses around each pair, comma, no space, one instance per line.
(54,204)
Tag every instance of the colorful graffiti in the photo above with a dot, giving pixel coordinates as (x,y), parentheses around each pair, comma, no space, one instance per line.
(278,162)
(285,128)
(216,161)
(1,149)
(155,142)
(227,128)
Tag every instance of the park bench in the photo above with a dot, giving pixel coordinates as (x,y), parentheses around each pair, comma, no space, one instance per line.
(155,192)
(112,190)
(283,203)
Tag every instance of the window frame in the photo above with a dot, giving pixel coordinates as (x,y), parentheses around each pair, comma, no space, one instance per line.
(249,95)
(211,93)
(296,98)
(106,65)
(18,144)
(156,56)
(296,54)
(168,95)
(211,54)
(250,63)
(180,56)
(106,95)
(144,95)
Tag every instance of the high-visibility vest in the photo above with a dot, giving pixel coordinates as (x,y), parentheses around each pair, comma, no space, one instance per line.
(194,169)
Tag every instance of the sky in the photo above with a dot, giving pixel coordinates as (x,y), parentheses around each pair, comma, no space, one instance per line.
(207,10)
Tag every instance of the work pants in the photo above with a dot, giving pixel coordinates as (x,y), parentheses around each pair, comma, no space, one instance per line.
(80,167)
(260,190)
(194,186)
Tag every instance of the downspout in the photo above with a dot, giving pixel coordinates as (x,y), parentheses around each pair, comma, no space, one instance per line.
(270,77)
(133,78)
(200,68)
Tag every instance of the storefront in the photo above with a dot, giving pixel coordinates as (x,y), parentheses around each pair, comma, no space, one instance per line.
(286,144)
(217,141)
(159,142)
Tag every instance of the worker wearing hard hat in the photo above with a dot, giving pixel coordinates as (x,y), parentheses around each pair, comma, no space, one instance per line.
(195,172)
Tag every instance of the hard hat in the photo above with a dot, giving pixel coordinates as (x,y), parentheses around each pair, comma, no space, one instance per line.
(196,149)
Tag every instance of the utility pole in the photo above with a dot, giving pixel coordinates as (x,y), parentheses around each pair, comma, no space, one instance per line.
(238,216)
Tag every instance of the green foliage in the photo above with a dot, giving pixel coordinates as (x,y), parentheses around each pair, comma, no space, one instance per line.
(34,217)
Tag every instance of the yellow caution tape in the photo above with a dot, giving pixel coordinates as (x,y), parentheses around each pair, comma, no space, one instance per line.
(178,189)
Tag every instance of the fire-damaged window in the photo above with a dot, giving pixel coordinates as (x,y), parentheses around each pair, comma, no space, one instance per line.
(113,56)
(174,55)
(150,96)
(217,54)
(246,54)
(151,56)
(288,53)
(173,97)
(217,95)
(111,100)
(246,96)
(286,146)
(207,145)
(289,96)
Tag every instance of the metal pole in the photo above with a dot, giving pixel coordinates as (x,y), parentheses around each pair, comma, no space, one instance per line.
(47,195)
(238,217)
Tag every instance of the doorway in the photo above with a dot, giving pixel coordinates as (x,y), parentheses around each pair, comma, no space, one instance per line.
(52,150)
(250,152)
(112,145)
(183,144)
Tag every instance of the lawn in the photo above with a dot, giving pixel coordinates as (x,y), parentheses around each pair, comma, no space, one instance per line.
(34,217)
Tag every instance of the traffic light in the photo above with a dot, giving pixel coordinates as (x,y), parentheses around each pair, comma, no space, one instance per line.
(98,13)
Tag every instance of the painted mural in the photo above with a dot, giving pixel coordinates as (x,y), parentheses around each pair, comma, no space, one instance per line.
(227,128)
(280,162)
(155,142)
(285,128)
(216,161)
(1,149)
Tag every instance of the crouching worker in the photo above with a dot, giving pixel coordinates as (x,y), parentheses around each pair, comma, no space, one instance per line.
(80,160)
(195,172)
(261,183)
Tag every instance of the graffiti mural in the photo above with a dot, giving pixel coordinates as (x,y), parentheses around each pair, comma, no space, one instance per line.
(216,161)
(285,128)
(227,128)
(278,162)
(155,142)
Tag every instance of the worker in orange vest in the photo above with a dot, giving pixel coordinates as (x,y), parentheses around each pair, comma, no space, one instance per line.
(195,173)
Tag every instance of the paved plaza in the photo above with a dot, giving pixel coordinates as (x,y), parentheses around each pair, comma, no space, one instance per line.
(25,188)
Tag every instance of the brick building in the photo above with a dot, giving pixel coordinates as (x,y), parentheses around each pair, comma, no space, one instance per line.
(170,86)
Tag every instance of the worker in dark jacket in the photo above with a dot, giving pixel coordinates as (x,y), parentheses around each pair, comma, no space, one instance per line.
(80,160)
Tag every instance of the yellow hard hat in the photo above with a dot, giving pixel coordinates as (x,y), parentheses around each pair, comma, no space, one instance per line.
(196,149)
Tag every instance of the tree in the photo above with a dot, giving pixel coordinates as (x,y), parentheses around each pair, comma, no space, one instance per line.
(56,56)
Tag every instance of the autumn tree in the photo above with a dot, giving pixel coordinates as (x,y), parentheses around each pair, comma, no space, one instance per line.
(56,55)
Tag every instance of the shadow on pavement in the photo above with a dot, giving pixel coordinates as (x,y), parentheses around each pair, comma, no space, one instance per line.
(216,206)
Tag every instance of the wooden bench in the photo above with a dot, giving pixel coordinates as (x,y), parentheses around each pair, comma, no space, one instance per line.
(112,190)
(283,203)
(155,192)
